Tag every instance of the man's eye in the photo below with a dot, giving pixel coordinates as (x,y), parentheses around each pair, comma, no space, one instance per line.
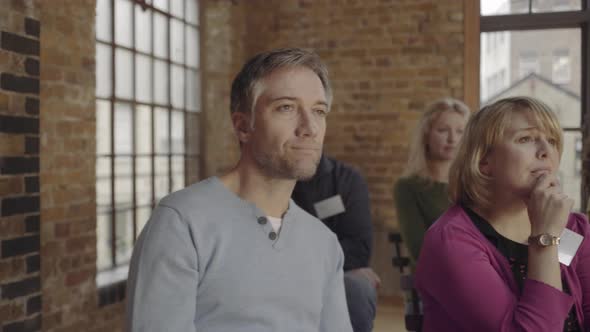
(285,108)
(552,141)
(321,111)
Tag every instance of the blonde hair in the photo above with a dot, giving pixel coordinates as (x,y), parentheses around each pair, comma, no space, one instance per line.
(418,158)
(467,184)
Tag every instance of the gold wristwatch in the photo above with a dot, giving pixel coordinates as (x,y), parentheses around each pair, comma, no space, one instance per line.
(544,240)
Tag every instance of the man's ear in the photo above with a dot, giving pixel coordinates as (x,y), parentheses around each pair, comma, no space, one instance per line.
(242,127)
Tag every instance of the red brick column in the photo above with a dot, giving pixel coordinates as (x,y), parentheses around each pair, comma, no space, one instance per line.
(20,281)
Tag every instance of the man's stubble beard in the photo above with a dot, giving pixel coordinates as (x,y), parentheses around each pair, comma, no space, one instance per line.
(282,168)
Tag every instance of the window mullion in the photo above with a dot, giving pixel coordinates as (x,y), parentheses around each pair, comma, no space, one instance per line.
(186,92)
(112,125)
(534,21)
(133,129)
(152,111)
(169,62)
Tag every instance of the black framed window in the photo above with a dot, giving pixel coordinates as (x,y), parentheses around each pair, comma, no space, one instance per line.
(147,97)
(543,54)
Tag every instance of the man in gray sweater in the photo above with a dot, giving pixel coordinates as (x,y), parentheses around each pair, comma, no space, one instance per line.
(234,253)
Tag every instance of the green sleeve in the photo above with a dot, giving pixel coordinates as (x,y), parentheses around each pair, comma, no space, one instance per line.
(411,220)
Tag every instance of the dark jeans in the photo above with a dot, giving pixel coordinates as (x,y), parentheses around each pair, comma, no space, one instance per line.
(361,297)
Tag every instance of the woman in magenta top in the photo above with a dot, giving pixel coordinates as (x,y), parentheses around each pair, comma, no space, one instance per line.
(490,263)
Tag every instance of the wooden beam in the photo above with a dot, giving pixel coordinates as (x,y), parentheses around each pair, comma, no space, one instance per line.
(471,54)
(536,21)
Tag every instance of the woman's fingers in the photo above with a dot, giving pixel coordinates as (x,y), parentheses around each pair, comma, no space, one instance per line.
(548,205)
(546,181)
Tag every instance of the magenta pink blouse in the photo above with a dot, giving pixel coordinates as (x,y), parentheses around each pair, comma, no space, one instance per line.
(466,284)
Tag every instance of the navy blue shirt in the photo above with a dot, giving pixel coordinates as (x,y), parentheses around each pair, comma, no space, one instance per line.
(353,226)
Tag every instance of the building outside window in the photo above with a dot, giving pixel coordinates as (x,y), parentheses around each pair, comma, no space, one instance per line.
(528,62)
(561,66)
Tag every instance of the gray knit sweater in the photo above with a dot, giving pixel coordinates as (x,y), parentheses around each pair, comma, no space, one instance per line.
(206,262)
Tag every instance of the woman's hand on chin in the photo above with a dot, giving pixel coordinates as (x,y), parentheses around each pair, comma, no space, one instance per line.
(548,206)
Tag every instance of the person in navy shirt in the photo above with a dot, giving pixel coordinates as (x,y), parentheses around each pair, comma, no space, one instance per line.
(338,195)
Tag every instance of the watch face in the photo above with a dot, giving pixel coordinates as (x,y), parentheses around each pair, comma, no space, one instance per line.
(545,239)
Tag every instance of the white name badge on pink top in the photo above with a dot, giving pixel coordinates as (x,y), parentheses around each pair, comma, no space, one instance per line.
(568,246)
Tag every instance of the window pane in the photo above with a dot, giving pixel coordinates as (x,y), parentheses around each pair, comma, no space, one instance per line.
(177,8)
(124,235)
(177,39)
(123,131)
(528,63)
(523,63)
(143,130)
(192,47)
(161,164)
(177,80)
(161,82)
(161,181)
(103,127)
(193,88)
(177,132)
(143,215)
(123,183)
(177,173)
(103,184)
(103,241)
(143,34)
(556,5)
(192,11)
(161,4)
(562,63)
(161,139)
(570,169)
(103,71)
(123,19)
(503,7)
(177,165)
(568,111)
(103,20)
(143,184)
(143,78)
(124,73)
(160,35)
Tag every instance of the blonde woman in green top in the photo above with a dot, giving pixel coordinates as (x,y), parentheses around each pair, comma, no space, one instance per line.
(421,193)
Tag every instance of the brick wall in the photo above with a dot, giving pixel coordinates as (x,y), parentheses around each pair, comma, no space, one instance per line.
(222,49)
(387,60)
(47,172)
(68,144)
(20,280)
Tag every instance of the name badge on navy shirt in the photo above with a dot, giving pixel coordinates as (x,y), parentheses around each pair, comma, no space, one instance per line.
(329,207)
(568,246)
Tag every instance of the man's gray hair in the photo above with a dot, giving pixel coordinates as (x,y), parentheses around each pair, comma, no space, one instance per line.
(244,86)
